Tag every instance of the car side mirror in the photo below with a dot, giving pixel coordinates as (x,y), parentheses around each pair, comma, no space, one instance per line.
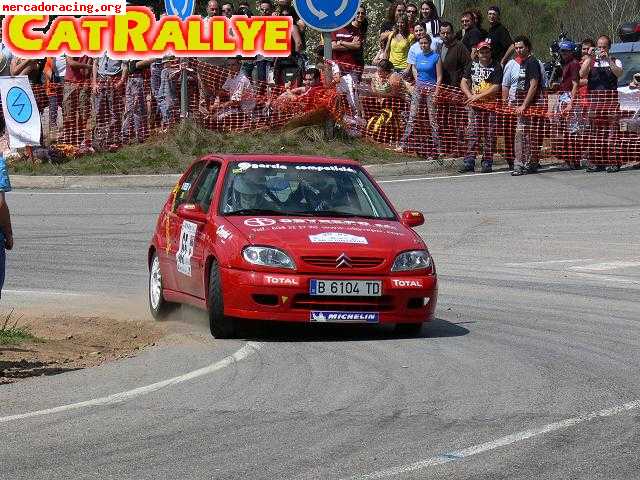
(191,211)
(412,218)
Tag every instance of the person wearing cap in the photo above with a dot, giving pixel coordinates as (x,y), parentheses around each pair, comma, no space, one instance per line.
(481,85)
(565,117)
(501,41)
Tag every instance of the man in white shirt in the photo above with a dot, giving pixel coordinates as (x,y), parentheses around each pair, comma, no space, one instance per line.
(238,87)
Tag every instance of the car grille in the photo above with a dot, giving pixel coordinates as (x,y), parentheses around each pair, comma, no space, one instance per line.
(343,304)
(356,262)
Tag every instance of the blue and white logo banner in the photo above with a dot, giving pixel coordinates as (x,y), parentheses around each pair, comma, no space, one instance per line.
(21,113)
(180,8)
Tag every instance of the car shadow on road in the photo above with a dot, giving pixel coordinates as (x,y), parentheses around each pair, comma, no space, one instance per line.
(305,332)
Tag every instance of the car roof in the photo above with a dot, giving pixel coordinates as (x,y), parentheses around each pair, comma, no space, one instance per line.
(625,47)
(227,158)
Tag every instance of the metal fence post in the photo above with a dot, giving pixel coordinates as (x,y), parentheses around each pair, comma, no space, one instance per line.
(184,90)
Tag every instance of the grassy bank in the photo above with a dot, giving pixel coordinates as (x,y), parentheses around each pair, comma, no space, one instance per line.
(172,152)
(11,333)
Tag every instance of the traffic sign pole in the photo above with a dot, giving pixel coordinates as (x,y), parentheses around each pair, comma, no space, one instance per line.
(327,16)
(329,128)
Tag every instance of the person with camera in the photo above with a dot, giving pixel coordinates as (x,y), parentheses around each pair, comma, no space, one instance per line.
(602,71)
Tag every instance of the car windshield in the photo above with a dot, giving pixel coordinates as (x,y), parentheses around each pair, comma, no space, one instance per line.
(325,190)
(630,64)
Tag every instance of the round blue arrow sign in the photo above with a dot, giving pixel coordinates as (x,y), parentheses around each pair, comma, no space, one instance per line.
(327,15)
(19,105)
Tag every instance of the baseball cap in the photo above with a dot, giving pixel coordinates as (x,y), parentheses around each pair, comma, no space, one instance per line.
(483,44)
(567,45)
(495,8)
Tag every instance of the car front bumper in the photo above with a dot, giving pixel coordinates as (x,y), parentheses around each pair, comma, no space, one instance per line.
(285,297)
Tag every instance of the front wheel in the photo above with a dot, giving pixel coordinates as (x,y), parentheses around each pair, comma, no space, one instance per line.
(220,326)
(158,306)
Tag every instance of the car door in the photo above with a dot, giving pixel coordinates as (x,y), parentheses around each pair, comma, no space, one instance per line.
(193,235)
(172,226)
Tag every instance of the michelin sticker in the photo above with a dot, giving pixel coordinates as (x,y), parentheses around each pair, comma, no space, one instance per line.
(185,250)
(339,317)
(335,237)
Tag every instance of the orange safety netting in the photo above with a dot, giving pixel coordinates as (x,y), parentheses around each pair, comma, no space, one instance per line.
(601,127)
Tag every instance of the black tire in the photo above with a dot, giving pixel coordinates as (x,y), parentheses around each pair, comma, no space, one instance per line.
(408,329)
(158,306)
(220,326)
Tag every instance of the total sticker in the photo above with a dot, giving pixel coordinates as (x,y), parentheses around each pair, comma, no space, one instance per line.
(185,250)
(337,237)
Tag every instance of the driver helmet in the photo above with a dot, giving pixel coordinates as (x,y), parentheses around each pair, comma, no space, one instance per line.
(247,189)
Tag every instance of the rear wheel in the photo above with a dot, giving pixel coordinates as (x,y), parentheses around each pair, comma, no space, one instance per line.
(158,306)
(220,326)
(408,329)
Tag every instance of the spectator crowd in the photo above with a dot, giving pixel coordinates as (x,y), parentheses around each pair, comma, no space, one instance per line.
(437,89)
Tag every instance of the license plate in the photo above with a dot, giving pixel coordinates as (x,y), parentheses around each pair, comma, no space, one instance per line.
(346,288)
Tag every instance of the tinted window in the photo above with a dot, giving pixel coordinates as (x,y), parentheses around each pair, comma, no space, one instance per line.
(301,189)
(185,188)
(203,191)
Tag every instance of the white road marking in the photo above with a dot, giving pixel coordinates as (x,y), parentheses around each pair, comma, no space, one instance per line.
(603,267)
(498,443)
(241,354)
(45,293)
(548,262)
(448,177)
(607,278)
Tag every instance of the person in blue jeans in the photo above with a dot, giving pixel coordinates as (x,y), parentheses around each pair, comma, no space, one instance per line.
(6,233)
(427,70)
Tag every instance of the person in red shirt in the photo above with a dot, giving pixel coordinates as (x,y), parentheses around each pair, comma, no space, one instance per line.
(76,101)
(565,113)
(348,45)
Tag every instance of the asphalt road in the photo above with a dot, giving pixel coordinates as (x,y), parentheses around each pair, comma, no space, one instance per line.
(530,371)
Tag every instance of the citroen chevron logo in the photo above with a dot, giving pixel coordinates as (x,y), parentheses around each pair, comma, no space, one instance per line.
(343,261)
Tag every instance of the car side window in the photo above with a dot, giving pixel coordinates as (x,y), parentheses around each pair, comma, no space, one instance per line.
(203,191)
(187,186)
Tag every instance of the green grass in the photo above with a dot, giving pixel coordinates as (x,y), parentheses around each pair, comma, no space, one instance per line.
(172,152)
(14,334)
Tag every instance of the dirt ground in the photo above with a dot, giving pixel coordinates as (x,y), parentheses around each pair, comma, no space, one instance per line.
(66,343)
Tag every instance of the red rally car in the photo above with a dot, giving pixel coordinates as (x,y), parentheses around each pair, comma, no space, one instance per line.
(293,239)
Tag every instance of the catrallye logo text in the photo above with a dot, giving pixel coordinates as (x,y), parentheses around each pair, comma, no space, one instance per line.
(137,34)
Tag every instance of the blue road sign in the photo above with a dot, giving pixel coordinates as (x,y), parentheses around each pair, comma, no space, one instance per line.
(19,105)
(327,15)
(180,8)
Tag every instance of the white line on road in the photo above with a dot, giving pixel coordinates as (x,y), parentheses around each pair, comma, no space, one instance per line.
(45,293)
(607,278)
(498,443)
(448,177)
(241,354)
(603,267)
(548,262)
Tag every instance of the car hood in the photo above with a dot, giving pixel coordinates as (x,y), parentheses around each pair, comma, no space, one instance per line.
(328,236)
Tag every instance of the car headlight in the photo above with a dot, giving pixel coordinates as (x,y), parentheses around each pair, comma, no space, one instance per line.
(268,257)
(413,260)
